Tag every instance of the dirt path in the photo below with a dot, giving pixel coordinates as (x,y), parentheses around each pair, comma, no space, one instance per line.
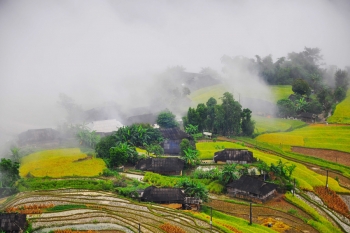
(329,155)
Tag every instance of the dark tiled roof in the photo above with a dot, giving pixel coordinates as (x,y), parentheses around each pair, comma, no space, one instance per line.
(153,194)
(174,134)
(252,185)
(234,154)
(12,222)
(160,164)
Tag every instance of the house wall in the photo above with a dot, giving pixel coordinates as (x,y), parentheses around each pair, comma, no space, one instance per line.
(171,146)
(236,193)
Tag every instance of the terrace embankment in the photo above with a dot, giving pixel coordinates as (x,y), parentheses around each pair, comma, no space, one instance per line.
(276,210)
(329,155)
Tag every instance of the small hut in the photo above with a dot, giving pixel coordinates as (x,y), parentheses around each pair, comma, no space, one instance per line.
(164,166)
(163,195)
(13,222)
(251,189)
(241,156)
(173,138)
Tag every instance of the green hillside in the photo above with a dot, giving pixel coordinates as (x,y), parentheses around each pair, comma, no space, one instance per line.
(265,124)
(342,112)
(216,91)
(315,136)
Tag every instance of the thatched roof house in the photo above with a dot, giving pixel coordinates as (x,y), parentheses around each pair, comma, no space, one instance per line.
(39,137)
(163,195)
(234,156)
(252,189)
(13,222)
(164,166)
(173,138)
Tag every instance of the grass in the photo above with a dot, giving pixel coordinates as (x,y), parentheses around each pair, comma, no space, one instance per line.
(229,223)
(306,178)
(207,149)
(275,93)
(32,184)
(285,150)
(319,222)
(342,112)
(60,163)
(65,207)
(335,137)
(265,124)
(281,91)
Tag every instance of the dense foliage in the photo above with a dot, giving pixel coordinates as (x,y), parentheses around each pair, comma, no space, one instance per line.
(227,118)
(9,172)
(166,119)
(120,147)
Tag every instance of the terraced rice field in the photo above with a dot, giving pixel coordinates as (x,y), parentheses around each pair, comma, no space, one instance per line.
(278,217)
(265,124)
(342,112)
(60,163)
(306,178)
(104,211)
(335,137)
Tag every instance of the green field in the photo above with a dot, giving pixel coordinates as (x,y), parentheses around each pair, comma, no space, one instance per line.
(60,163)
(207,149)
(342,112)
(274,93)
(334,137)
(265,124)
(306,178)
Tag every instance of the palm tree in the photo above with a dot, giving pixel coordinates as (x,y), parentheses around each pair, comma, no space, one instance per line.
(229,173)
(191,157)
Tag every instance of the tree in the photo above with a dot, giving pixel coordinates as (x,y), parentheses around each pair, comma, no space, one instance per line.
(248,124)
(191,157)
(341,79)
(15,154)
(232,115)
(166,119)
(211,103)
(314,107)
(191,129)
(194,189)
(121,154)
(74,112)
(156,149)
(301,87)
(185,145)
(85,136)
(202,115)
(229,173)
(285,107)
(9,172)
(339,94)
(103,147)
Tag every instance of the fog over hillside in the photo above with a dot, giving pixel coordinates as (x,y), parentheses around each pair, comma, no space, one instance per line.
(110,51)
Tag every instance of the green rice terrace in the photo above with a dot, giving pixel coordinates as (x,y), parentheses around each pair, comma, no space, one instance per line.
(97,188)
